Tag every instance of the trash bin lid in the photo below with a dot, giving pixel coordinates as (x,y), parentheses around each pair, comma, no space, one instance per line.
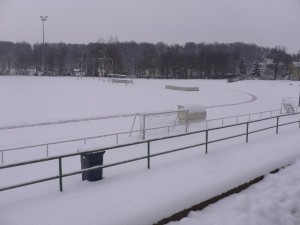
(89,147)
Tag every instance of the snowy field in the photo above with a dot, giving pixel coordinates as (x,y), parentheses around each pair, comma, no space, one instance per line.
(131,194)
(30,100)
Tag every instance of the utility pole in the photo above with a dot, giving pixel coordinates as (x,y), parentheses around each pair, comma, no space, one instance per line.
(43,18)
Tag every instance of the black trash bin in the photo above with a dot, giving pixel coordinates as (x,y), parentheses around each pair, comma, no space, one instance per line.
(89,160)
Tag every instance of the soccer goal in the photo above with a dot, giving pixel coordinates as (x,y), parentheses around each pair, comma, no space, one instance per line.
(288,105)
(160,123)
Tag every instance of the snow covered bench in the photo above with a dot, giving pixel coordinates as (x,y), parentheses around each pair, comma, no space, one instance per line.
(124,81)
(191,112)
(178,88)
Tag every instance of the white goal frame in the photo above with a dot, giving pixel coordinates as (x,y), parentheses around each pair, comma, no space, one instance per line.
(144,116)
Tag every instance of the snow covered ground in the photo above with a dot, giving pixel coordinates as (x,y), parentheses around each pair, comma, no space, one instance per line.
(275,200)
(27,100)
(131,194)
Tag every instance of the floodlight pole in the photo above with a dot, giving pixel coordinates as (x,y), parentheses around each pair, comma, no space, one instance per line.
(43,18)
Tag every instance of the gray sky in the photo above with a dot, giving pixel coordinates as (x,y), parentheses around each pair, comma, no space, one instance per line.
(263,22)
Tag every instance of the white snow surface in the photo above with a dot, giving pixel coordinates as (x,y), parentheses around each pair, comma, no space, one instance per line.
(274,201)
(195,108)
(132,194)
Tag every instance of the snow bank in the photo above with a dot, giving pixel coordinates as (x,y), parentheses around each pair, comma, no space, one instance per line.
(275,200)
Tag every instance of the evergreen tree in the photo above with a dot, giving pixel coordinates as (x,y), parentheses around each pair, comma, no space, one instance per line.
(256,69)
(242,67)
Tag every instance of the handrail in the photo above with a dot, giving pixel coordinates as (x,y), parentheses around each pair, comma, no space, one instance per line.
(148,156)
(133,131)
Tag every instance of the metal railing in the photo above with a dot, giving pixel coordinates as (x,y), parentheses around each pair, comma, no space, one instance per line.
(148,156)
(186,126)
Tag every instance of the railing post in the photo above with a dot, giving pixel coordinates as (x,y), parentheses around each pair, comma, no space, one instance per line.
(60,175)
(206,140)
(186,128)
(247,132)
(277,123)
(85,141)
(148,154)
(168,131)
(144,127)
(117,137)
(222,122)
(47,150)
(144,134)
(2,156)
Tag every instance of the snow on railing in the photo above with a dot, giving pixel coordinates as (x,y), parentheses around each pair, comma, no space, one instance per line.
(236,120)
(148,155)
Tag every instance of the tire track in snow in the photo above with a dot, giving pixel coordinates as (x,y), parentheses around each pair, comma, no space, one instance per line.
(253,98)
(65,121)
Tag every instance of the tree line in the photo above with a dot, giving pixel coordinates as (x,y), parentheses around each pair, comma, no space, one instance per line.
(160,60)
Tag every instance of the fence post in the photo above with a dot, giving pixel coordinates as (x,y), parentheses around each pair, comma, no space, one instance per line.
(117,137)
(2,155)
(47,150)
(60,175)
(206,140)
(277,123)
(247,132)
(144,127)
(148,153)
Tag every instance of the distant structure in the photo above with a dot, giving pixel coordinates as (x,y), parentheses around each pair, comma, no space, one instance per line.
(179,88)
(191,113)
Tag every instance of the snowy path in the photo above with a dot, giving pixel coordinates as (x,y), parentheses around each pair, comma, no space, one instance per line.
(275,201)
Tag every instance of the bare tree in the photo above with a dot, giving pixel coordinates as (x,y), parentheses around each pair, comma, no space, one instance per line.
(280,59)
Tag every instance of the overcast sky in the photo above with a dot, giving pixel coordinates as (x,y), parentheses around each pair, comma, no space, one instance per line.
(263,22)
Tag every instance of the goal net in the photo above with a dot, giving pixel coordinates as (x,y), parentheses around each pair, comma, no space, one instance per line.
(160,123)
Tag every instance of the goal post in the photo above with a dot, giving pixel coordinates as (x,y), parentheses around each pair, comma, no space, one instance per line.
(287,105)
(160,123)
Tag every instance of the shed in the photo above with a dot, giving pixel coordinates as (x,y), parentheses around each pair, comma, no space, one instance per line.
(192,112)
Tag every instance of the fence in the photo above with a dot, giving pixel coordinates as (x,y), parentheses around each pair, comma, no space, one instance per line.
(250,116)
(148,156)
